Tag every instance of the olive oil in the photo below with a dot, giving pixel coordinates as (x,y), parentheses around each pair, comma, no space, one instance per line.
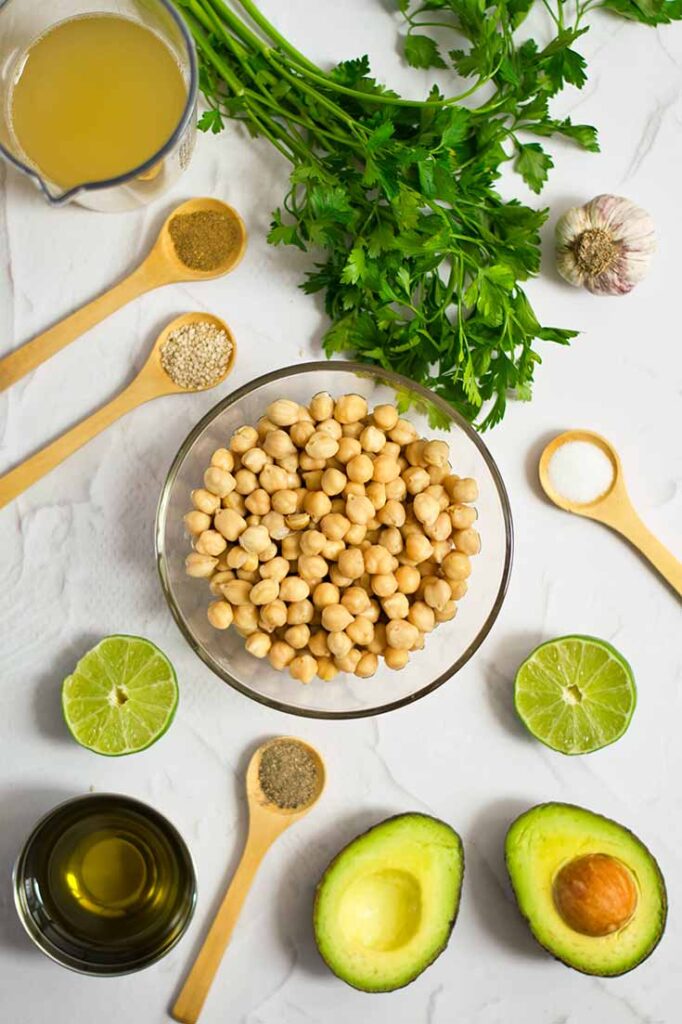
(108,883)
(96,97)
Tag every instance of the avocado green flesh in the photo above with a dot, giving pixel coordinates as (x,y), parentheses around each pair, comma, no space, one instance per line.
(386,905)
(547,837)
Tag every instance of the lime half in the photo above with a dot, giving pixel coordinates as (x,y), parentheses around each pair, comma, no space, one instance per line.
(576,694)
(121,697)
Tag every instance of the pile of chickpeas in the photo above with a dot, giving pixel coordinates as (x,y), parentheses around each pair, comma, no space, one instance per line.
(331,536)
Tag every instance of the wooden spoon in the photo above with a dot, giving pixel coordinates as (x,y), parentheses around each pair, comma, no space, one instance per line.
(613,508)
(266,822)
(161,266)
(151,382)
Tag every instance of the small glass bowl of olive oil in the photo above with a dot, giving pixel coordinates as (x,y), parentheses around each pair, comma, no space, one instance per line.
(105,885)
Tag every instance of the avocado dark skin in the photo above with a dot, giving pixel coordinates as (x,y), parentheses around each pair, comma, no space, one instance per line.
(452,916)
(661,894)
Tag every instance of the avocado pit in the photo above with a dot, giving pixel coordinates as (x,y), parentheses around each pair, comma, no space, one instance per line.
(595,894)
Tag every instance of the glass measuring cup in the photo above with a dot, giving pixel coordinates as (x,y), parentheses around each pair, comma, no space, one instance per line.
(24,21)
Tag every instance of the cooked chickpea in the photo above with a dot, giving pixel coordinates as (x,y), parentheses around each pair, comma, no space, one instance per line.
(294,481)
(350,409)
(200,566)
(275,525)
(205,501)
(447,613)
(385,416)
(312,542)
(386,469)
(460,491)
(421,616)
(317,644)
(237,592)
(254,539)
(264,426)
(297,636)
(313,480)
(360,469)
(280,654)
(338,579)
(462,516)
(372,439)
(275,568)
(335,618)
(367,665)
(436,453)
(416,480)
(439,494)
(229,523)
(440,529)
(312,567)
(396,606)
(283,412)
(321,446)
(339,644)
(392,539)
(223,459)
(384,584)
(418,548)
(242,439)
(331,427)
(298,521)
(361,631)
(237,557)
(255,460)
(414,452)
(283,501)
(210,542)
(220,614)
(325,594)
(437,594)
(359,509)
(291,547)
(273,615)
(356,600)
(332,550)
(349,447)
(219,481)
(408,579)
(467,541)
(378,560)
(264,592)
(196,522)
(426,509)
(392,513)
(322,406)
(293,588)
(396,490)
(235,502)
(303,668)
(300,433)
(334,526)
(401,634)
(458,589)
(376,493)
(351,563)
(441,548)
(349,662)
(245,482)
(326,669)
(278,444)
(317,504)
(217,580)
(355,487)
(355,534)
(395,658)
(245,618)
(258,502)
(258,644)
(457,566)
(248,575)
(333,481)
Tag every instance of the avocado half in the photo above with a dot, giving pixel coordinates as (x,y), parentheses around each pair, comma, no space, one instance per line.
(540,846)
(386,905)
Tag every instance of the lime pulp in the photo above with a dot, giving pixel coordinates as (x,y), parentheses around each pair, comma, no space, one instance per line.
(121,696)
(576,694)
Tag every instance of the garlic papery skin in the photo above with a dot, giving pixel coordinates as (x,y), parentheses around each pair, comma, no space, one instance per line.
(605,246)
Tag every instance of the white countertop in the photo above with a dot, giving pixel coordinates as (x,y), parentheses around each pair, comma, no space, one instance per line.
(77,563)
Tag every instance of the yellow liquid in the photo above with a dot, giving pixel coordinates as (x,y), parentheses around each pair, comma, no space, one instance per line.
(97,96)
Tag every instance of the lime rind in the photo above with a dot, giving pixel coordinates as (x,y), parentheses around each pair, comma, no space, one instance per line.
(605,691)
(121,697)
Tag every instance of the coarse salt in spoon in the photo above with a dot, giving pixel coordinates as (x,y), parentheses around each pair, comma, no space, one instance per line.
(580,471)
(171,369)
(269,778)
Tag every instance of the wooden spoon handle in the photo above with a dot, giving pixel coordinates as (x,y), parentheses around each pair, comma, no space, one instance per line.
(191,999)
(25,358)
(35,467)
(632,528)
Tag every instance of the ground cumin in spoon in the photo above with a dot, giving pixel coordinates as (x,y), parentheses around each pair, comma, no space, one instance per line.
(288,774)
(205,239)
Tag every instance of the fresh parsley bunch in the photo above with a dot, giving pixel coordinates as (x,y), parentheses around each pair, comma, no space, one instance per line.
(420,259)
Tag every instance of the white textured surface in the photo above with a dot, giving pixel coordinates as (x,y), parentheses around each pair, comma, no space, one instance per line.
(77,563)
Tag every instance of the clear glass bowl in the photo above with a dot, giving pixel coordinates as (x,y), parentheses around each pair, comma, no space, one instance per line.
(447,648)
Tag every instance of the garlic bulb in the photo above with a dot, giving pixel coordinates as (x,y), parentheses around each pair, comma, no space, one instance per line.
(605,245)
